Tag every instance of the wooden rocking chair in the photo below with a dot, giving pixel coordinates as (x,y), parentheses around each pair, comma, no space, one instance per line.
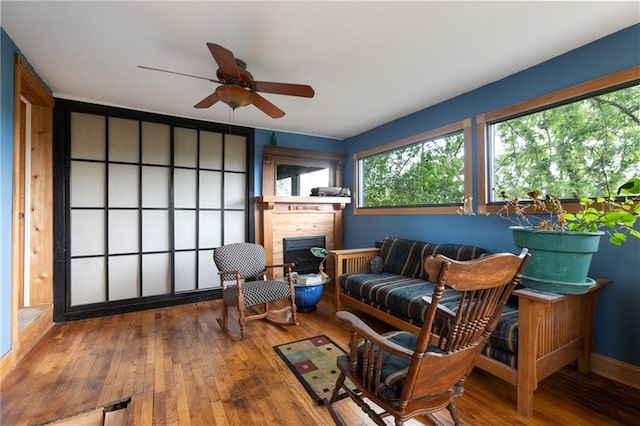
(242,271)
(408,375)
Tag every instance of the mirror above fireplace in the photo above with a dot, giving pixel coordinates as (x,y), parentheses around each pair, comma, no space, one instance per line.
(293,172)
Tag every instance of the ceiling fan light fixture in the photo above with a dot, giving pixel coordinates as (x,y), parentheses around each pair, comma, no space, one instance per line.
(234,96)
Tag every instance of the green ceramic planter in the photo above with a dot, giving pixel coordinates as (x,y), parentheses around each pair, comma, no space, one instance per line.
(559,261)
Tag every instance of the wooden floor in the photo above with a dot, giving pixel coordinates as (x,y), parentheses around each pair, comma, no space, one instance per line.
(179,369)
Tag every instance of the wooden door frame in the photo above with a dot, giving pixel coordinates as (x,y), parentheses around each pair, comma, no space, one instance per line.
(28,86)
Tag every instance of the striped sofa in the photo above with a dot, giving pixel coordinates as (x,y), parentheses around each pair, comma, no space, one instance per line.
(538,333)
(398,289)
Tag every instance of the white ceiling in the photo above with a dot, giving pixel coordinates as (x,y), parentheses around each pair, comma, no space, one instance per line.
(369,62)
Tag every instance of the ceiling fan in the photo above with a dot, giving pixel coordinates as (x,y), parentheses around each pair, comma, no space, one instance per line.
(237,86)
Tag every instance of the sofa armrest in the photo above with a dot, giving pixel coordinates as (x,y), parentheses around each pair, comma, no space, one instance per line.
(353,260)
(350,261)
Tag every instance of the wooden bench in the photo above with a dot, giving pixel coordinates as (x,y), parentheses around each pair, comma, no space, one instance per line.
(554,329)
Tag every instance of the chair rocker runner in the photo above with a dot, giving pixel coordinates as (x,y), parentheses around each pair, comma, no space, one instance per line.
(242,271)
(408,375)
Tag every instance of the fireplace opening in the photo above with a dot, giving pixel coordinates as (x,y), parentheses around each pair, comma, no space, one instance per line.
(296,250)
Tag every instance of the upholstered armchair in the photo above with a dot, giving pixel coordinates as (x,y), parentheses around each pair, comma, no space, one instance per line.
(242,269)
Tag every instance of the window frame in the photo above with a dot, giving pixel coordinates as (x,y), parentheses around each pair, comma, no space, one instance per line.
(464,125)
(547,101)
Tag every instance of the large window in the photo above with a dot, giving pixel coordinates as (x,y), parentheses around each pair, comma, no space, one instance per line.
(582,141)
(421,174)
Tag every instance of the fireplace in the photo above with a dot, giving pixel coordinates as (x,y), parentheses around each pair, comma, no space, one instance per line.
(296,250)
(290,217)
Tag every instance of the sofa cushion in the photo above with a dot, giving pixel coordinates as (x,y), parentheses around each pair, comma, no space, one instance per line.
(396,254)
(508,358)
(406,257)
(505,335)
(395,294)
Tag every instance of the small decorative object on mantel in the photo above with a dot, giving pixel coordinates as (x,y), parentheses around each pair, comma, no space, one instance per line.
(272,140)
(330,191)
(322,253)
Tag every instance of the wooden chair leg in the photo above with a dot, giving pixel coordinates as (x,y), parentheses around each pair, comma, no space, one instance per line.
(242,322)
(455,414)
(223,322)
(330,403)
(336,389)
(294,308)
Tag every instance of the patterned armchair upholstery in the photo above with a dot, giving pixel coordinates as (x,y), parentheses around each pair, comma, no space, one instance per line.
(242,271)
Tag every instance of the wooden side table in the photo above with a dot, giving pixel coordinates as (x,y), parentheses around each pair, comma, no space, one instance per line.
(554,330)
(308,295)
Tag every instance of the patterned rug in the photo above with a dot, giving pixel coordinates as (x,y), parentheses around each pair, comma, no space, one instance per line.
(313,361)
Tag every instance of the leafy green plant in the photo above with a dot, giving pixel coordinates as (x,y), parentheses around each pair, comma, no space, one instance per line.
(615,215)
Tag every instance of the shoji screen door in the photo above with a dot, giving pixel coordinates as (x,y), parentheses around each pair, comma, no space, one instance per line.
(148,202)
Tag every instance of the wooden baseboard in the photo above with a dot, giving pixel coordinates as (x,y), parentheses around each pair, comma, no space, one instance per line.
(7,362)
(616,370)
(27,339)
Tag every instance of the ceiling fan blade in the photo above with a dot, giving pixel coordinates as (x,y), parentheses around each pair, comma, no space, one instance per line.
(283,88)
(225,60)
(265,106)
(208,101)
(179,73)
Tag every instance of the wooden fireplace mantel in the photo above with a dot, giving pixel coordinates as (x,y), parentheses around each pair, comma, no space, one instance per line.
(280,217)
(294,201)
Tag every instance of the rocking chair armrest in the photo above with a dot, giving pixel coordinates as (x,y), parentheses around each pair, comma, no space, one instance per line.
(284,265)
(370,334)
(235,273)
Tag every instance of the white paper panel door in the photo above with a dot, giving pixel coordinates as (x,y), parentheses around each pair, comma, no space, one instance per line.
(148,204)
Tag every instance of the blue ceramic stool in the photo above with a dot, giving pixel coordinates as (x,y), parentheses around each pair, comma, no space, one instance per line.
(308,296)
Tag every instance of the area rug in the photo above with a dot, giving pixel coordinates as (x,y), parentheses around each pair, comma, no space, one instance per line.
(313,362)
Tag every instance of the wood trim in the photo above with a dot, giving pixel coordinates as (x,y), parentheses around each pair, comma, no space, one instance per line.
(17,252)
(29,87)
(26,340)
(41,223)
(274,155)
(280,151)
(407,210)
(467,131)
(481,134)
(572,92)
(429,134)
(303,200)
(613,369)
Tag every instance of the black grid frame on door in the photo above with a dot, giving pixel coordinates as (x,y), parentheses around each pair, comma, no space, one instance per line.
(140,201)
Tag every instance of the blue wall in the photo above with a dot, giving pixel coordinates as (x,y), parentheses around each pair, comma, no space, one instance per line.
(617,304)
(7,51)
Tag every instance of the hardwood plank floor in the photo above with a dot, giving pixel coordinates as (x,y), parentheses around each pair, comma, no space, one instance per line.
(180,369)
